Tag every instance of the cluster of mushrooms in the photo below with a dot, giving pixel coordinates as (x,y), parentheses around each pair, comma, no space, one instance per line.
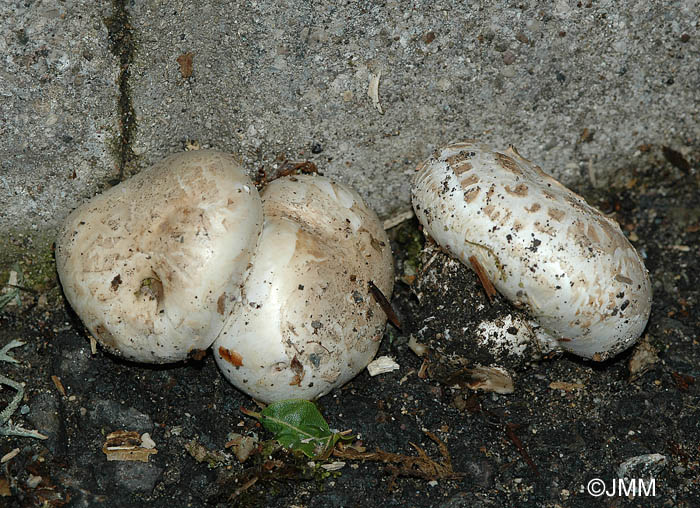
(187,255)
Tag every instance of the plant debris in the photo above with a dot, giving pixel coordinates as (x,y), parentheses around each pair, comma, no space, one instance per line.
(644,357)
(382,365)
(415,466)
(280,465)
(242,446)
(200,453)
(59,385)
(510,432)
(128,445)
(488,379)
(7,428)
(486,283)
(473,405)
(289,168)
(185,61)
(683,381)
(385,304)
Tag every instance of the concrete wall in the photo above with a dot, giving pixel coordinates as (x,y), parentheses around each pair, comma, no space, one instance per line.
(58,92)
(576,86)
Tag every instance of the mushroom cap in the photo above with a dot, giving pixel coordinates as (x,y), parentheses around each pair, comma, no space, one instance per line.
(541,245)
(307,322)
(153,266)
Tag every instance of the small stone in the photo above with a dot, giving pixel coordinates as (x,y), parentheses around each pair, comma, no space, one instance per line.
(642,466)
(508,57)
(33,481)
(147,442)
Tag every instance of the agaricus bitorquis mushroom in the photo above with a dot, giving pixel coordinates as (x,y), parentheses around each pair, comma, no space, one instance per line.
(539,244)
(153,266)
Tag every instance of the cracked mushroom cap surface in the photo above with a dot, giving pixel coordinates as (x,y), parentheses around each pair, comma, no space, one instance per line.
(307,322)
(154,265)
(540,244)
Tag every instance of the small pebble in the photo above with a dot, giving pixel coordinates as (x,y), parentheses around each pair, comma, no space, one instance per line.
(33,481)
(642,466)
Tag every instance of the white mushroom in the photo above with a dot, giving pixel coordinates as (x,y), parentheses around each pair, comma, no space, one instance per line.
(153,265)
(541,245)
(307,322)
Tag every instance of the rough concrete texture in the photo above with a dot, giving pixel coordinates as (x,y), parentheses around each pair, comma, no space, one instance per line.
(58,114)
(575,86)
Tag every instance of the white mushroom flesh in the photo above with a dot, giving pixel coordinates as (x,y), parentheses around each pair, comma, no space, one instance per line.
(307,322)
(153,266)
(541,245)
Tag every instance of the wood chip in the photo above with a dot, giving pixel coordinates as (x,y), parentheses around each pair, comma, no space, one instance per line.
(9,456)
(423,371)
(127,445)
(382,365)
(333,466)
(483,278)
(487,379)
(418,348)
(59,386)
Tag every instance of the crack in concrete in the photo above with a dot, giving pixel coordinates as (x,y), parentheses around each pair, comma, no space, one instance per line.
(122,46)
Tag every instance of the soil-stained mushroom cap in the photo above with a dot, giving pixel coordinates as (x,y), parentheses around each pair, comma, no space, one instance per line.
(154,265)
(307,322)
(541,245)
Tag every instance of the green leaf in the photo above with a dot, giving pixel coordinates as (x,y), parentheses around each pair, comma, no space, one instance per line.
(298,424)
